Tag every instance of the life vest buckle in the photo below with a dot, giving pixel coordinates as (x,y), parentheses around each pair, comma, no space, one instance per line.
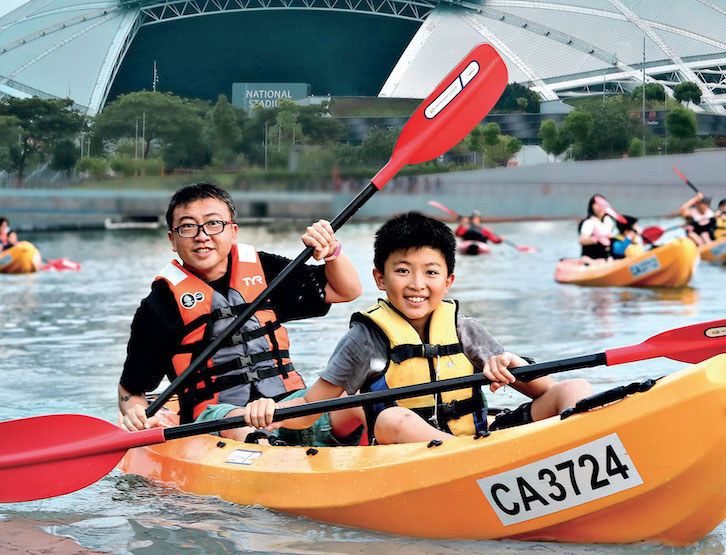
(224,312)
(430,351)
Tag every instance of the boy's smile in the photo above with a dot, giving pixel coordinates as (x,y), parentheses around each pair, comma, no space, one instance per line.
(416,281)
(205,255)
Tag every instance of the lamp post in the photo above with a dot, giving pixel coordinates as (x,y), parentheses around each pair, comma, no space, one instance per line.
(643,96)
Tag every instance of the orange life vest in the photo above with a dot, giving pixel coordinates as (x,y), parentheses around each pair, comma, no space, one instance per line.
(254,362)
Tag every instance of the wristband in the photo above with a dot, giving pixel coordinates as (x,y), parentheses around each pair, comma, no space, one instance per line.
(336,253)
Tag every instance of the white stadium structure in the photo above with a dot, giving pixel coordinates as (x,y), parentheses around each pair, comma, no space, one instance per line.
(563,48)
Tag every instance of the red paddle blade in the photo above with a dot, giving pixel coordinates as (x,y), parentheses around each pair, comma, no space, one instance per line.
(456,106)
(524,248)
(690,344)
(45,456)
(60,264)
(605,205)
(444,208)
(653,233)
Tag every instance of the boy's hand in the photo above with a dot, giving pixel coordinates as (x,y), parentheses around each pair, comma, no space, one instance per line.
(321,236)
(497,369)
(259,414)
(135,419)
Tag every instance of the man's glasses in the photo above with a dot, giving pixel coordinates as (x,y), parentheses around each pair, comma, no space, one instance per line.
(212,227)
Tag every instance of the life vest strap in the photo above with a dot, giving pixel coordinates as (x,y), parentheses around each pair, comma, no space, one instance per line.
(236,339)
(249,376)
(423,350)
(242,362)
(453,410)
(232,311)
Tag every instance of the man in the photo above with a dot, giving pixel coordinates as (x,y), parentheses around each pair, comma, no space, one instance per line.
(191,303)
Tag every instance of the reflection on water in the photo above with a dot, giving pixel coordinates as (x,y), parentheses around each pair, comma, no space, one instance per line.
(63,341)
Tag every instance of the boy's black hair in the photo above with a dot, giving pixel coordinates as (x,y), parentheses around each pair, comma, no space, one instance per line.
(628,225)
(413,230)
(197,191)
(722,201)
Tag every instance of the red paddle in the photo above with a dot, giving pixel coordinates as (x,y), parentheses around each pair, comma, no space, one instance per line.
(52,455)
(684,178)
(609,210)
(447,115)
(654,232)
(521,248)
(60,264)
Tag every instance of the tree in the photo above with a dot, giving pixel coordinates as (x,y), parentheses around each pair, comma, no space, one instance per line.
(173,122)
(615,130)
(684,92)
(64,156)
(510,100)
(40,123)
(378,146)
(579,125)
(636,148)
(502,151)
(552,141)
(475,141)
(222,130)
(490,134)
(681,123)
(653,91)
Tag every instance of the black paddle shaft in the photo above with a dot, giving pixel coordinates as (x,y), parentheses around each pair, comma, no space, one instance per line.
(252,307)
(524,373)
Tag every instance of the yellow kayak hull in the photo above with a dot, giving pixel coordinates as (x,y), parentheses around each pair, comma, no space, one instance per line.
(661,453)
(670,265)
(715,251)
(22,258)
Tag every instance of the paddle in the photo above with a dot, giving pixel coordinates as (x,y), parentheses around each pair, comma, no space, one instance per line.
(52,455)
(654,232)
(521,248)
(59,264)
(447,115)
(687,181)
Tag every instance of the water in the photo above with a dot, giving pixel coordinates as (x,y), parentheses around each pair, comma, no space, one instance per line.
(63,343)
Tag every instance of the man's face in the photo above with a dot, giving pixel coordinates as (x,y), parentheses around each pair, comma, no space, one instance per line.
(204,255)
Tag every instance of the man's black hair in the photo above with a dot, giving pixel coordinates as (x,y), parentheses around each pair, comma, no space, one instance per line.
(629,224)
(413,230)
(197,191)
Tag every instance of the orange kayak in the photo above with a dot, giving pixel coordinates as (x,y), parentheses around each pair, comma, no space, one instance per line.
(648,467)
(670,265)
(715,251)
(22,258)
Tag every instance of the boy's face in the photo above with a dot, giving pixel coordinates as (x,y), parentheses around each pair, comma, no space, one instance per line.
(205,255)
(416,281)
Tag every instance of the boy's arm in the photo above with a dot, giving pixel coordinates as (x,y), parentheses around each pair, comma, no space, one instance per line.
(260,413)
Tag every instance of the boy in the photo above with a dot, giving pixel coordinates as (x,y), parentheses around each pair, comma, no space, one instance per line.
(191,303)
(700,218)
(720,220)
(414,265)
(625,243)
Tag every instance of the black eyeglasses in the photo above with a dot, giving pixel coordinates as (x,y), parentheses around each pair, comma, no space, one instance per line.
(212,227)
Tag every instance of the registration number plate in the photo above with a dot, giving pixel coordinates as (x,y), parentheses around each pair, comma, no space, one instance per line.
(574,477)
(718,250)
(650,264)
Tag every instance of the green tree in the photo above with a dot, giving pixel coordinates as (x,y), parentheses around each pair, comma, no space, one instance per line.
(475,142)
(501,153)
(64,156)
(377,147)
(579,125)
(222,130)
(636,147)
(41,124)
(509,101)
(615,130)
(681,123)
(553,142)
(172,122)
(683,92)
(490,134)
(653,92)
(317,125)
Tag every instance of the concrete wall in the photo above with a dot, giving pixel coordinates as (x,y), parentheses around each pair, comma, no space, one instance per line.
(641,187)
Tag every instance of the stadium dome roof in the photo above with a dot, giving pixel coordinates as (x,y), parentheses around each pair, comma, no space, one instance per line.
(563,48)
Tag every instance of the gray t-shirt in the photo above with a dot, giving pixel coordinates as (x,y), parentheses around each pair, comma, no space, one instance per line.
(362,353)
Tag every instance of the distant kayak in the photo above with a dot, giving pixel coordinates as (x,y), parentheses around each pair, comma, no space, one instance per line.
(22,258)
(670,265)
(715,251)
(473,247)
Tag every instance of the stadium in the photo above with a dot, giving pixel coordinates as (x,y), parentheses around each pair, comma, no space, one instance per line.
(93,50)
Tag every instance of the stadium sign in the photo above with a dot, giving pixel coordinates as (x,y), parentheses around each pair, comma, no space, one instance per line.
(267,95)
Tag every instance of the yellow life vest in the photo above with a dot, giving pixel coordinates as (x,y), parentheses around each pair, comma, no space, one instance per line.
(411,361)
(720,230)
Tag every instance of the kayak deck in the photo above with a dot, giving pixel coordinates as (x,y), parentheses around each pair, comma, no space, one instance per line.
(670,265)
(715,251)
(644,468)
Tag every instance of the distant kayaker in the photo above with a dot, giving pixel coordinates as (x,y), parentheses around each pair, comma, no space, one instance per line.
(416,336)
(720,230)
(627,242)
(700,218)
(8,238)
(191,303)
(596,232)
(470,228)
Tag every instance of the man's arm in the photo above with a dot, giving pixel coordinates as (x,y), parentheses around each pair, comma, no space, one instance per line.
(133,411)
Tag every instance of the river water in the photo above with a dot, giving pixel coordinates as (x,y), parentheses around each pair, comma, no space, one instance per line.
(64,337)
